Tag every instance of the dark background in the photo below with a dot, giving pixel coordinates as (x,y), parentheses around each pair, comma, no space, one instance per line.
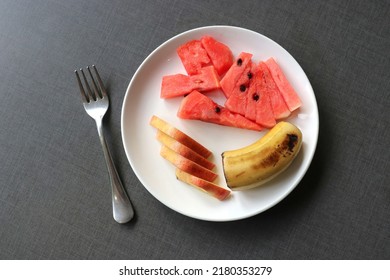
(54,194)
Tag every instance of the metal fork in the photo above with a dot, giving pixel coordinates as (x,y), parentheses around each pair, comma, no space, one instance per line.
(96,104)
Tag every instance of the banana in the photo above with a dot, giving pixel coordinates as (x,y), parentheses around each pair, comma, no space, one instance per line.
(259,162)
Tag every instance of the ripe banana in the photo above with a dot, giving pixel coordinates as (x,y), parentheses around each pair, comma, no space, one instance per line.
(255,164)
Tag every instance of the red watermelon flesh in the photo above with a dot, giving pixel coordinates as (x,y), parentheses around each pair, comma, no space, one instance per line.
(289,95)
(221,56)
(197,106)
(236,103)
(237,100)
(264,114)
(279,107)
(252,96)
(229,81)
(180,85)
(193,56)
(206,80)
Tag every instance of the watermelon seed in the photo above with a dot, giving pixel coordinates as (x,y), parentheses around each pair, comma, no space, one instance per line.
(217,109)
(250,75)
(256,97)
(239,62)
(242,88)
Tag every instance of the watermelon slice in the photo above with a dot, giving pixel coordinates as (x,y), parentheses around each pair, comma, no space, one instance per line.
(180,85)
(229,81)
(291,98)
(237,100)
(264,113)
(221,56)
(193,56)
(252,95)
(279,107)
(198,106)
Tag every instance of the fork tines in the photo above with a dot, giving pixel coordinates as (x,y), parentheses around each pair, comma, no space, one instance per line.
(89,95)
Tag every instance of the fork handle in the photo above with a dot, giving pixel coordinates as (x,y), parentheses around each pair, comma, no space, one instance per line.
(121,206)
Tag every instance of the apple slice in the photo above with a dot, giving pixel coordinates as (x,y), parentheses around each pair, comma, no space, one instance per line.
(187,165)
(183,150)
(204,185)
(179,136)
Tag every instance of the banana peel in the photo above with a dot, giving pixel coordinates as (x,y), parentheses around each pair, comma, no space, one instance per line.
(261,161)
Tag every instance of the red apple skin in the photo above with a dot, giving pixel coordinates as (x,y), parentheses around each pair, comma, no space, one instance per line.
(204,185)
(187,165)
(179,136)
(183,150)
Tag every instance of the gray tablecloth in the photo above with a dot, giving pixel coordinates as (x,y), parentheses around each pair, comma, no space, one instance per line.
(54,194)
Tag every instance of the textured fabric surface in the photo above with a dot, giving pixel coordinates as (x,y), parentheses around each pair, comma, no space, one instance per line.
(54,194)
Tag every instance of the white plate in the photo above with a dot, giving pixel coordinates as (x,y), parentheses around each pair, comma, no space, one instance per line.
(142,100)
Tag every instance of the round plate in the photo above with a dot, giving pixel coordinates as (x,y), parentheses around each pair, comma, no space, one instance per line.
(142,101)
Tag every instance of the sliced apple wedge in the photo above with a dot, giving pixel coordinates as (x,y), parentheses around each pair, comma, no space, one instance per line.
(187,165)
(204,185)
(179,136)
(183,150)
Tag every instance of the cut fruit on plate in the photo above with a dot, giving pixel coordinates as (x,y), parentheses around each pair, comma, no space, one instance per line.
(142,100)
(191,168)
(249,88)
